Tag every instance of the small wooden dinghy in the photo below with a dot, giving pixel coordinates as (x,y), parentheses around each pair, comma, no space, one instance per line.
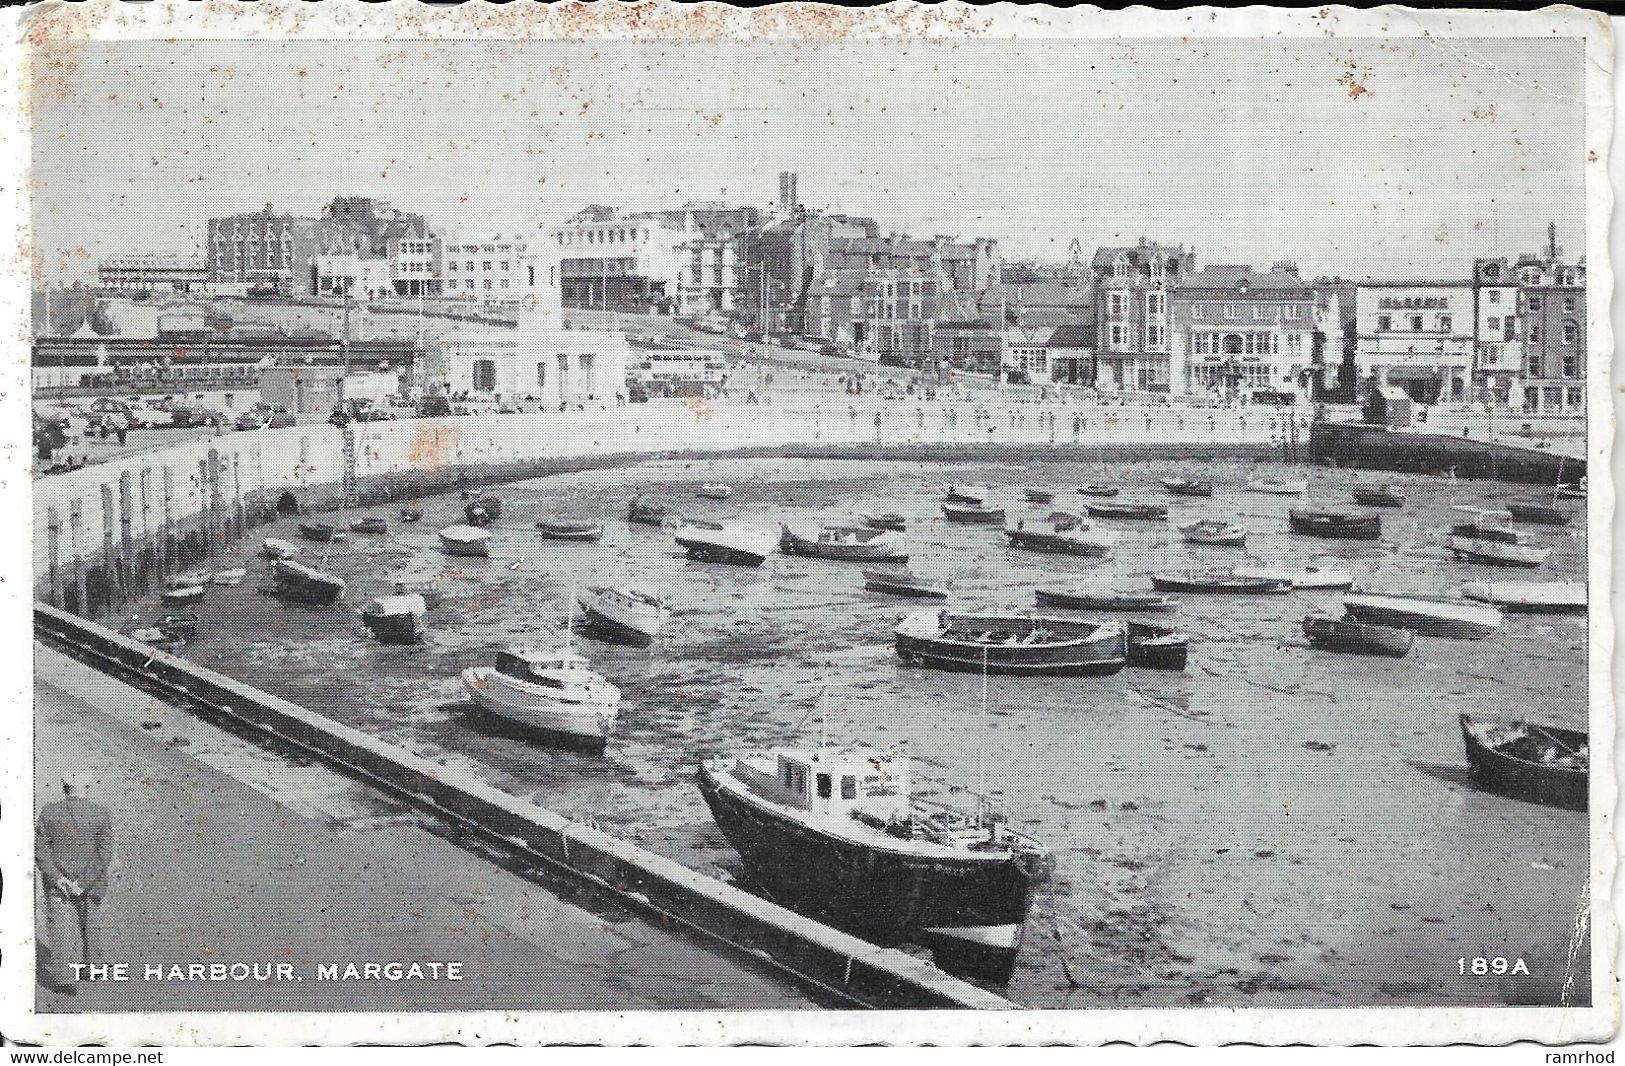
(276,548)
(559,527)
(1157,647)
(483,511)
(1180,487)
(1428,615)
(1326,575)
(646,512)
(1010,643)
(973,512)
(1104,600)
(1539,512)
(466,541)
(901,581)
(370,524)
(714,490)
(1543,764)
(1357,638)
(1529,597)
(1213,531)
(1144,512)
(306,584)
(1098,491)
(321,532)
(1276,486)
(1387,495)
(1038,495)
(890,520)
(1220,582)
(396,619)
(1344,525)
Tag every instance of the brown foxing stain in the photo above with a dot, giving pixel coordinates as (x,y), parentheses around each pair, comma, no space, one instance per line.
(430,447)
(699,408)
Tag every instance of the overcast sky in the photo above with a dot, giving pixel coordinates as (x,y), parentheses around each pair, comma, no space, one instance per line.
(1250,151)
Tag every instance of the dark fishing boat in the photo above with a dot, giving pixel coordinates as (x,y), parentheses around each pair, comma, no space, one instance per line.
(1344,525)
(483,511)
(411,514)
(839,835)
(306,584)
(972,494)
(178,627)
(1539,512)
(890,520)
(369,524)
(1038,495)
(321,532)
(1102,491)
(1218,582)
(396,619)
(1358,638)
(1543,764)
(1010,643)
(1149,512)
(1063,534)
(648,512)
(1180,487)
(904,582)
(852,544)
(1157,647)
(973,512)
(1108,600)
(561,528)
(1388,495)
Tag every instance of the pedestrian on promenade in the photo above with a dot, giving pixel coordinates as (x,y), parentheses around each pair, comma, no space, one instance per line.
(73,848)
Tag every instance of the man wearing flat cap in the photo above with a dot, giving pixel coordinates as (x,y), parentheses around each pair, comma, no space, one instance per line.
(73,846)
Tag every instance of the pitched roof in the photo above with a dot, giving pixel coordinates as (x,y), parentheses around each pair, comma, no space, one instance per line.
(1074,335)
(1139,255)
(1231,276)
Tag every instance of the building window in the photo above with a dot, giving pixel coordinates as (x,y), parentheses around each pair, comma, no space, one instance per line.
(1445,322)
(1384,323)
(488,283)
(485,375)
(1232,311)
(541,375)
(1153,303)
(1576,398)
(1416,323)
(1534,333)
(1119,303)
(1120,267)
(1568,305)
(1198,311)
(1534,366)
(1571,366)
(1294,311)
(1260,312)
(1570,333)
(1118,336)
(1494,322)
(1495,294)
(1534,303)
(1153,336)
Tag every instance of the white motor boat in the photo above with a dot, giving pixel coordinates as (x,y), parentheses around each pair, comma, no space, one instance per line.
(233,576)
(468,541)
(1529,597)
(1318,576)
(555,693)
(1484,540)
(623,614)
(1430,615)
(739,545)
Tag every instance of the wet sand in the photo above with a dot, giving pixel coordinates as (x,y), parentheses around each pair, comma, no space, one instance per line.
(1276,826)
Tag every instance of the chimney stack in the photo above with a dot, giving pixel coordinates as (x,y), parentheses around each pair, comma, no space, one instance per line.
(788,201)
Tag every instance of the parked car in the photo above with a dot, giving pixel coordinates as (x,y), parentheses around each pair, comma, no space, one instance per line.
(636,393)
(433,407)
(197,415)
(149,416)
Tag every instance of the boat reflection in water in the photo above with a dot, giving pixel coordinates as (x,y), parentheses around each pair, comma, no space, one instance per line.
(837,835)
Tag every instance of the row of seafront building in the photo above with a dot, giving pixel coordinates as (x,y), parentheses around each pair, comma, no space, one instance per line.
(1145,318)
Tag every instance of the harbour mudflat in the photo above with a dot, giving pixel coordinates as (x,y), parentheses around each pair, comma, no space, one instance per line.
(1275,826)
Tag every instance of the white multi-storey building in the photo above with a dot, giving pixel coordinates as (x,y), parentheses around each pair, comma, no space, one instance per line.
(485,268)
(614,263)
(1418,336)
(1237,330)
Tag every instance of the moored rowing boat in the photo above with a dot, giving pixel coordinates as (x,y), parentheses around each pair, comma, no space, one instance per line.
(1432,616)
(1010,643)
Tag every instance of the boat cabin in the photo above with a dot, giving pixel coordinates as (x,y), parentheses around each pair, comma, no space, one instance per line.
(549,668)
(831,781)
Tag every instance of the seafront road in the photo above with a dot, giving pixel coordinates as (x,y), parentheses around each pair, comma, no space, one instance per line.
(228,854)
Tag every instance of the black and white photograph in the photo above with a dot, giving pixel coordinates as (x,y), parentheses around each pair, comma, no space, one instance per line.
(612,523)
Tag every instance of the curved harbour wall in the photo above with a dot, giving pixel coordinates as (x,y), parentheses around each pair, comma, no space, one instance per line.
(108,532)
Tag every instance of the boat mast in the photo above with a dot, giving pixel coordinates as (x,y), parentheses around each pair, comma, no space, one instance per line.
(981,746)
(570,619)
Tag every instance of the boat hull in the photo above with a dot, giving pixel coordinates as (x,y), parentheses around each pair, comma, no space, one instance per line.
(1098,655)
(1525,779)
(1157,647)
(308,587)
(913,588)
(621,622)
(1496,553)
(395,628)
(970,910)
(885,551)
(467,549)
(1441,622)
(711,550)
(1221,585)
(894,523)
(1056,543)
(1358,638)
(1086,601)
(1147,512)
(968,513)
(1529,599)
(581,534)
(585,726)
(1378,498)
(1538,513)
(1335,527)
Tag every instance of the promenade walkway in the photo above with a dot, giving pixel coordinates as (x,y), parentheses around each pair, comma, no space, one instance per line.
(227,854)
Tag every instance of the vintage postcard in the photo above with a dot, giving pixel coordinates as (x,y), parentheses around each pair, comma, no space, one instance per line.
(667,523)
